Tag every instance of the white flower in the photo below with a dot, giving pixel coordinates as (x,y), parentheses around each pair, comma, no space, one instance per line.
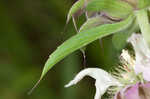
(103,80)
(142,53)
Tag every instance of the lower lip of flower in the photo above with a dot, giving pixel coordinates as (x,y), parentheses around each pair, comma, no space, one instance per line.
(137,91)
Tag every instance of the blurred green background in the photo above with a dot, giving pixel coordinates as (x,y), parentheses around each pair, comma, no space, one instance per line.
(29,31)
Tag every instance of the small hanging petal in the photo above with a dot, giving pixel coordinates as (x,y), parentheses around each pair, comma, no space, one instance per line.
(103,80)
(142,53)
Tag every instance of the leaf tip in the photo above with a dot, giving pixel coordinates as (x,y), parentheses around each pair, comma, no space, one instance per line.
(30,92)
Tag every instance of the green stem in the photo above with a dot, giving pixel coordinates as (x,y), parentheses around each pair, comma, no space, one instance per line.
(143,21)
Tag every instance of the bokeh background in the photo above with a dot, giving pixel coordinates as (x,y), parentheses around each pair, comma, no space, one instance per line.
(30,30)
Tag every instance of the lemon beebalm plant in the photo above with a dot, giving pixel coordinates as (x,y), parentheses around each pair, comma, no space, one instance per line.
(128,22)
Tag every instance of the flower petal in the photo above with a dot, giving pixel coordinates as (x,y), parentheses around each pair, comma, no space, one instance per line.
(132,92)
(137,91)
(142,52)
(140,45)
(144,91)
(103,80)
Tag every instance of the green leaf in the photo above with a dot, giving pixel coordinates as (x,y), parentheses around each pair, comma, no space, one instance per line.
(119,40)
(82,39)
(90,23)
(114,8)
(93,22)
(75,8)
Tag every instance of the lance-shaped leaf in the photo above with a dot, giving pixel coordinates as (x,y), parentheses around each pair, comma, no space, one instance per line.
(119,40)
(93,22)
(82,39)
(114,8)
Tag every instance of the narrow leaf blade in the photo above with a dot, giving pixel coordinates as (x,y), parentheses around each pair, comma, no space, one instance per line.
(82,39)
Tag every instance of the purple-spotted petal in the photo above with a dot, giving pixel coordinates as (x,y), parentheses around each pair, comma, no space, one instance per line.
(132,92)
(120,94)
(137,91)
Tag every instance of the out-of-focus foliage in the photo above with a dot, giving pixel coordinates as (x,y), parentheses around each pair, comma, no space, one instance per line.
(29,31)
